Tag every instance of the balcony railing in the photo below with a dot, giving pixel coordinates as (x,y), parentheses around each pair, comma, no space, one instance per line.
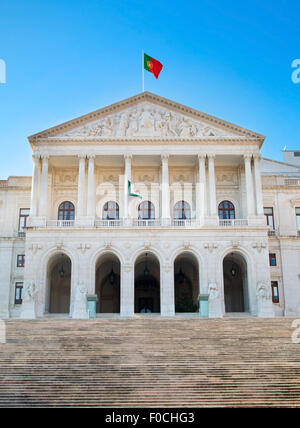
(129,223)
(60,223)
(233,223)
(108,223)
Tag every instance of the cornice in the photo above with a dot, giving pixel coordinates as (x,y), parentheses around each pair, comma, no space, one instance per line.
(142,141)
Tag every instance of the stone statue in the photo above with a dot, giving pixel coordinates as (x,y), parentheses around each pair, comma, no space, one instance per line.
(146,122)
(164,126)
(214,303)
(28,310)
(213,291)
(264,301)
(262,291)
(107,128)
(80,302)
(29,292)
(80,293)
(187,129)
(207,132)
(123,125)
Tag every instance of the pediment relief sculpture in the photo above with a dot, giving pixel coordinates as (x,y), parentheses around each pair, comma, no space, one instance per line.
(145,120)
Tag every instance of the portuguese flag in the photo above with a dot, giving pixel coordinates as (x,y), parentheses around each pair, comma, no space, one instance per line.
(152,65)
(133,192)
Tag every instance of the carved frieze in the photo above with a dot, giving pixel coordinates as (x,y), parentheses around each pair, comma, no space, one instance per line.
(145,120)
(65,177)
(226,177)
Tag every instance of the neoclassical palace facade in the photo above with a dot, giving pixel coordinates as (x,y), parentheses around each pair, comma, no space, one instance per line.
(215,230)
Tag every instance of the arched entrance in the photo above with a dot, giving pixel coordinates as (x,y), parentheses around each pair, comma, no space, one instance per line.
(235,283)
(147,284)
(108,283)
(58,284)
(186,277)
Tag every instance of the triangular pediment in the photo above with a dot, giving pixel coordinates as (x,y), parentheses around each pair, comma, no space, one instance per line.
(145,116)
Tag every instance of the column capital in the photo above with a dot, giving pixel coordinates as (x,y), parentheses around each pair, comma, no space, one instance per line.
(35,157)
(165,157)
(45,156)
(91,157)
(211,155)
(248,156)
(257,157)
(81,156)
(127,156)
(201,156)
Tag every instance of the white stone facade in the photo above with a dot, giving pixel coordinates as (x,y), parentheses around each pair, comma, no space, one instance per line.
(171,153)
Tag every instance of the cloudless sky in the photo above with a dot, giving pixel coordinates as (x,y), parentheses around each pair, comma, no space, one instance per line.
(66,58)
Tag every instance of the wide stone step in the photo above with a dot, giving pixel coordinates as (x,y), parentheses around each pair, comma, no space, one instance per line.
(150,362)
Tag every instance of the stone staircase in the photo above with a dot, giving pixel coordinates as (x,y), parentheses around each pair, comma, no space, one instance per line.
(150,362)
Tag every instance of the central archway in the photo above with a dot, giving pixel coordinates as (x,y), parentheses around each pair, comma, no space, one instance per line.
(147,284)
(186,278)
(235,277)
(58,294)
(108,283)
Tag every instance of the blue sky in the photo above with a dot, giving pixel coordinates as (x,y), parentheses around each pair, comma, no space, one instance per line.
(66,58)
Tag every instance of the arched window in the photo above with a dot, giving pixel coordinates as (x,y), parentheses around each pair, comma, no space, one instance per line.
(226,211)
(111,211)
(66,211)
(146,211)
(182,211)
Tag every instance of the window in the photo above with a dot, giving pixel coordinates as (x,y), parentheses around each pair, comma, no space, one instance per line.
(269,217)
(18,294)
(182,211)
(66,211)
(111,211)
(23,217)
(226,211)
(298,218)
(20,260)
(275,292)
(146,211)
(272,259)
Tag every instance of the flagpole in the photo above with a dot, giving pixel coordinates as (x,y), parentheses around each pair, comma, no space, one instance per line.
(143,71)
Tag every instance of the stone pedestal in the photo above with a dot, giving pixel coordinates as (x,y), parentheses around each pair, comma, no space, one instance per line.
(28,310)
(215,308)
(203,305)
(92,300)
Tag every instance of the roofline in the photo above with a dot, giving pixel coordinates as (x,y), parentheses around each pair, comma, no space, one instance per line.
(282,163)
(143,96)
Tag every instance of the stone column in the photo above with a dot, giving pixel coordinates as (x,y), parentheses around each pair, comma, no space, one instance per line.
(249,184)
(44,187)
(165,190)
(81,186)
(91,187)
(212,185)
(127,176)
(201,189)
(127,291)
(258,185)
(167,292)
(35,185)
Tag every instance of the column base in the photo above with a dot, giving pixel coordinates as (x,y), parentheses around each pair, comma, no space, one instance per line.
(127,314)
